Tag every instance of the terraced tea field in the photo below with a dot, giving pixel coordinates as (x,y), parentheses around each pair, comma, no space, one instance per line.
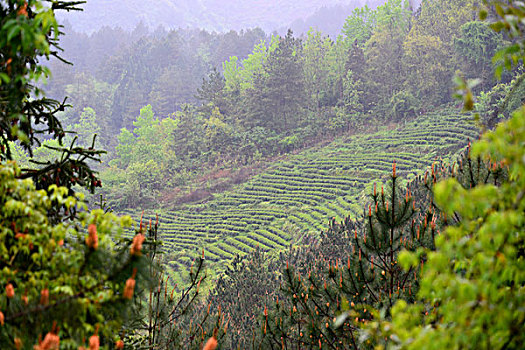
(301,194)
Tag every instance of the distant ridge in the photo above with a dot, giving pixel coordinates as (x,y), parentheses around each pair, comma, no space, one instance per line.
(212,15)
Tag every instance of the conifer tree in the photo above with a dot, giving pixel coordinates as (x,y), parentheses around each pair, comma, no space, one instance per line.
(356,266)
(370,275)
(472,290)
(69,273)
(356,63)
(250,284)
(212,92)
(278,92)
(30,33)
(169,316)
(472,287)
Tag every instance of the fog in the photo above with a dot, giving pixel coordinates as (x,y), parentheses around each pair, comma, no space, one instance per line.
(215,15)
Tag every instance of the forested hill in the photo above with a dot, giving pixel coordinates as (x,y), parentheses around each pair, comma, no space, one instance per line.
(215,15)
(299,195)
(200,111)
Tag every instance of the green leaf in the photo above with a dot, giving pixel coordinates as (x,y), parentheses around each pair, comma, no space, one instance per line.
(5,78)
(408,260)
(12,32)
(483,14)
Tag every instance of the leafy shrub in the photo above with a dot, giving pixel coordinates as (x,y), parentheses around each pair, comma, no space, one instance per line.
(403,105)
(49,270)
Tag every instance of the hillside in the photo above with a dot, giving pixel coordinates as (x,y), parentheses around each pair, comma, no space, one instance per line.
(301,194)
(205,14)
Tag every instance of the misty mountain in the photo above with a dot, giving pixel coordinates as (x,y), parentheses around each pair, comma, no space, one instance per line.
(214,15)
(327,19)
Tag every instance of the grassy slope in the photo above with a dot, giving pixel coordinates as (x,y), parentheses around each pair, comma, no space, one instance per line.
(301,194)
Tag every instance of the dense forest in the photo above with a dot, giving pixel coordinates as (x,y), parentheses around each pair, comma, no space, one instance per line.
(347,188)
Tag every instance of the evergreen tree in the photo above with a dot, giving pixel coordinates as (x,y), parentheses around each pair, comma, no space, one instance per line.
(429,48)
(316,67)
(28,34)
(384,53)
(241,298)
(245,301)
(212,92)
(67,282)
(472,287)
(355,266)
(356,64)
(278,92)
(168,316)
(368,276)
(68,273)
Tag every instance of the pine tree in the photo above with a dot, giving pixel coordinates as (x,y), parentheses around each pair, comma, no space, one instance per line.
(69,281)
(356,63)
(355,266)
(250,284)
(369,276)
(277,95)
(212,92)
(28,34)
(169,316)
(69,273)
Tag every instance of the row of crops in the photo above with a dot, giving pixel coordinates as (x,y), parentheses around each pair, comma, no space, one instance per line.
(303,193)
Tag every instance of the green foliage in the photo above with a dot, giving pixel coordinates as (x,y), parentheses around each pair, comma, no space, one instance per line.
(29,32)
(499,102)
(278,94)
(87,126)
(254,63)
(68,272)
(404,105)
(351,94)
(509,20)
(231,73)
(141,156)
(473,284)
(308,258)
(355,266)
(475,48)
(471,292)
(317,67)
(384,53)
(87,95)
(429,48)
(426,60)
(284,95)
(212,91)
(244,289)
(56,268)
(24,39)
(169,316)
(359,25)
(299,195)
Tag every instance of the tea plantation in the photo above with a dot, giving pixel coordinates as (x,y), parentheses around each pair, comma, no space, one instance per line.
(304,192)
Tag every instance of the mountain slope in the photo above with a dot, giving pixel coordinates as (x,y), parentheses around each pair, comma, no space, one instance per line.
(214,15)
(303,193)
